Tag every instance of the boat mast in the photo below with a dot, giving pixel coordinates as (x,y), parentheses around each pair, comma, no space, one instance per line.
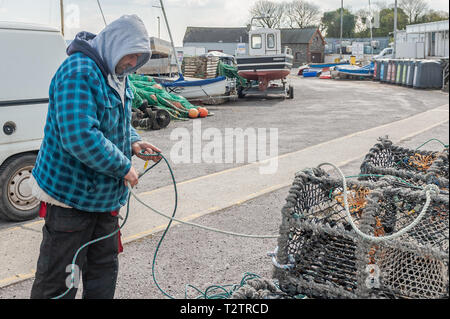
(61,6)
(171,39)
(371,32)
(101,11)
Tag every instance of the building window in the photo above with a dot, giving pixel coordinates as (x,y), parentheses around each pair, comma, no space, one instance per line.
(256,41)
(298,56)
(270,41)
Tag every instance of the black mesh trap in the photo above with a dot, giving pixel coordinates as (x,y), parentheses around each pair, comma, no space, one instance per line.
(321,256)
(418,167)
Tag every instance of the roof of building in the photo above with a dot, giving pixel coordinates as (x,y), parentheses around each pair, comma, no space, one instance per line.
(428,27)
(233,35)
(297,35)
(208,34)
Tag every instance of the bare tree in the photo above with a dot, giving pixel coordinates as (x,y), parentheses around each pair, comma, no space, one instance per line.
(271,11)
(414,9)
(362,17)
(301,14)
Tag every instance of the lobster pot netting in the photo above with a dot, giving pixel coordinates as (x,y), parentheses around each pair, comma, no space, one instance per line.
(321,256)
(414,166)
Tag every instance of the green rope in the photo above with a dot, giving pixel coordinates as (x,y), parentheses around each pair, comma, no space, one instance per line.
(378,175)
(172,218)
(430,140)
(72,276)
(227,290)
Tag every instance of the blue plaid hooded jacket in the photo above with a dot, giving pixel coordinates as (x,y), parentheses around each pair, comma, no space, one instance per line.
(86,150)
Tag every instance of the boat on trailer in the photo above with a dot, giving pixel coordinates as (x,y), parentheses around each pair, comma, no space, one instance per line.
(356,71)
(327,65)
(265,64)
(193,88)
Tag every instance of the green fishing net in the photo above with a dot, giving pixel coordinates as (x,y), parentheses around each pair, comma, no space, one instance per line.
(230,72)
(146,88)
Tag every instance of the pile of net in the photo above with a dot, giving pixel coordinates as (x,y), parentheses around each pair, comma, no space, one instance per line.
(251,286)
(391,242)
(230,72)
(146,89)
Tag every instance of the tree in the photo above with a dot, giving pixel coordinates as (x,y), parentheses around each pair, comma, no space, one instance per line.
(331,24)
(362,22)
(301,14)
(387,22)
(433,16)
(271,11)
(414,9)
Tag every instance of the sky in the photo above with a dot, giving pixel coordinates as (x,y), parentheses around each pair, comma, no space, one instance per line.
(84,15)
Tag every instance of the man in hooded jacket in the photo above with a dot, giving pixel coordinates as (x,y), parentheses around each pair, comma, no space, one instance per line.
(84,164)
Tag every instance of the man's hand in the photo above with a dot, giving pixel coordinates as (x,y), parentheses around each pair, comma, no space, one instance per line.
(131,177)
(148,148)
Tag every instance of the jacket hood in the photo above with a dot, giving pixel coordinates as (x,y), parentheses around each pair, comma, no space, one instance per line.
(124,36)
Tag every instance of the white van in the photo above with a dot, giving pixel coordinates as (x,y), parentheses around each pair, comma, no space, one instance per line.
(387,53)
(29,57)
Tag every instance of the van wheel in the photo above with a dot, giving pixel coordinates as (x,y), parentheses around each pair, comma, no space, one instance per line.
(16,201)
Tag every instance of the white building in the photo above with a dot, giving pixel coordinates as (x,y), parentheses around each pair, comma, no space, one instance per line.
(424,40)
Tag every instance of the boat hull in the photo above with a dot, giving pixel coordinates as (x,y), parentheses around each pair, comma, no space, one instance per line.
(366,70)
(192,89)
(326,65)
(264,68)
(269,75)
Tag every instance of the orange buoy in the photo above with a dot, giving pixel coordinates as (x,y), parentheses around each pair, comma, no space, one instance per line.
(157,86)
(203,112)
(193,113)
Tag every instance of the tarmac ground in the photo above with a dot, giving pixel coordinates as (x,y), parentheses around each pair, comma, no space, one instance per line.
(333,121)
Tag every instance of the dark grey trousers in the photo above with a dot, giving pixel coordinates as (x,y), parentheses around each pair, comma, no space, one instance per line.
(64,232)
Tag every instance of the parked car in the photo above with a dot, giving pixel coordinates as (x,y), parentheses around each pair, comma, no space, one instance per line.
(30,56)
(387,53)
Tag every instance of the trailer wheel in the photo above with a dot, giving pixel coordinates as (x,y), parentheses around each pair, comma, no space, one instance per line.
(16,201)
(291,92)
(241,94)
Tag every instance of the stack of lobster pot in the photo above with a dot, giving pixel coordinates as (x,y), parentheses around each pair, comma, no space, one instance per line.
(371,237)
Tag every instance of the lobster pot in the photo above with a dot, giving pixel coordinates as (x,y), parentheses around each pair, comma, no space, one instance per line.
(200,67)
(320,255)
(428,75)
(418,167)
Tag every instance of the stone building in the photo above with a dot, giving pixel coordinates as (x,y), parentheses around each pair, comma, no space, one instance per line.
(307,45)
